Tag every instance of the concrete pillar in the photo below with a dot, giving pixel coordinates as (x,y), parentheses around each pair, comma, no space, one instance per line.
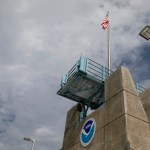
(72,121)
(145,98)
(122,124)
(126,123)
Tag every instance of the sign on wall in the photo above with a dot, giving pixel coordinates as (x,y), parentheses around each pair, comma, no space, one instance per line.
(87,131)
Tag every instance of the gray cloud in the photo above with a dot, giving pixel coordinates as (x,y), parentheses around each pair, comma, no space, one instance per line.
(40,41)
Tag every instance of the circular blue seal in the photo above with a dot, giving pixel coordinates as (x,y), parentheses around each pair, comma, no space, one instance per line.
(87,132)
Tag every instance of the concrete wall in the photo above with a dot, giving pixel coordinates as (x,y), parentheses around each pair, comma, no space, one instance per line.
(121,125)
(145,98)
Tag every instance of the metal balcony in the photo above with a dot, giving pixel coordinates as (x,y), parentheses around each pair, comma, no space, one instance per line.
(84,83)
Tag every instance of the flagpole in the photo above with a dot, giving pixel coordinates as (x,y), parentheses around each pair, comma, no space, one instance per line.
(109,52)
(106,25)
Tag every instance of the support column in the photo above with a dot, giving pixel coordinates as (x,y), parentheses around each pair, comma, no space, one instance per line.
(126,123)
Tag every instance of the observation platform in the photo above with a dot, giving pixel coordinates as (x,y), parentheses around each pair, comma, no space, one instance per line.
(84,83)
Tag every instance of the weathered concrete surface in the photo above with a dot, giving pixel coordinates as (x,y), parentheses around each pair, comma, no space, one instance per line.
(121,125)
(138,133)
(145,98)
(71,132)
(115,135)
(124,102)
(118,81)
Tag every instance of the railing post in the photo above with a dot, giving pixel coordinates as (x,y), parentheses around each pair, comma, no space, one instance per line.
(137,87)
(83,64)
(103,73)
(64,80)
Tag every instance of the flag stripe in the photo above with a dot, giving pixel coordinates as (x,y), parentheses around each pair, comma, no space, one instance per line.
(105,22)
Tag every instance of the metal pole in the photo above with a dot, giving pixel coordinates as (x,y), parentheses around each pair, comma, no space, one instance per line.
(32,140)
(33,144)
(109,53)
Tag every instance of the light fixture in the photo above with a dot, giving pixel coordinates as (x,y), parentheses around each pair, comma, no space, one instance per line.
(32,140)
(145,32)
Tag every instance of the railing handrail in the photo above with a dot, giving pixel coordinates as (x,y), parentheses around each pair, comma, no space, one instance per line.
(98,71)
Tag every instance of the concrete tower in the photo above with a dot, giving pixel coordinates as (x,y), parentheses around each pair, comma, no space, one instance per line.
(122,123)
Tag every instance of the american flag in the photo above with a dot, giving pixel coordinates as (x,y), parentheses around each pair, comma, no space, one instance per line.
(105,22)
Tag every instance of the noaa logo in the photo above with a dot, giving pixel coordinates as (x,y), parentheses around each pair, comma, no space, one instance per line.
(88,131)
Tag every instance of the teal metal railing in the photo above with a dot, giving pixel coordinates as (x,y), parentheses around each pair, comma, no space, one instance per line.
(139,88)
(73,70)
(89,67)
(93,69)
(96,70)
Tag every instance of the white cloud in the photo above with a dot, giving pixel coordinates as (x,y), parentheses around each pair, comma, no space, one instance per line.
(146,83)
(44,131)
(41,40)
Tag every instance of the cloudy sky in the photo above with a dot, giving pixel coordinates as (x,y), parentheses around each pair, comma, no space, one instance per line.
(42,39)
